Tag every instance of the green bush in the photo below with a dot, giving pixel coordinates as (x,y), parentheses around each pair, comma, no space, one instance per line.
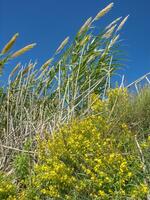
(22,163)
(141,110)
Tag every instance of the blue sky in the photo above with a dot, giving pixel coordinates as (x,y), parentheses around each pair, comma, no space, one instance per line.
(48,22)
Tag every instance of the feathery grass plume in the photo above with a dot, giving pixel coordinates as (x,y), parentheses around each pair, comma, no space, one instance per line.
(122,23)
(112,23)
(8,46)
(109,32)
(23,50)
(62,45)
(103,12)
(85,25)
(85,40)
(27,69)
(47,63)
(15,69)
(113,41)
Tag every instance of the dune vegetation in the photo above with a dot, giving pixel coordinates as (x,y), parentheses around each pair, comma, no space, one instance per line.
(65,133)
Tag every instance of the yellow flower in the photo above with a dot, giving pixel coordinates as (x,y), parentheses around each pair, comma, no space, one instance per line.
(123,166)
(144,188)
(129,174)
(101,193)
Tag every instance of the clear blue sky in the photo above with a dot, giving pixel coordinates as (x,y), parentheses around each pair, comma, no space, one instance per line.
(48,22)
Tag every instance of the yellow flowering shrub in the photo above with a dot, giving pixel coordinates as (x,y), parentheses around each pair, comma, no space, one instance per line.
(7,188)
(89,159)
(116,104)
(118,93)
(98,105)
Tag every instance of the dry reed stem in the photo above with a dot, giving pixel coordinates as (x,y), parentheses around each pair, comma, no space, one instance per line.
(16,149)
(143,162)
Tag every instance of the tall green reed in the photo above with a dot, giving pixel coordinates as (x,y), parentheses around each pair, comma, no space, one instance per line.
(40,98)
